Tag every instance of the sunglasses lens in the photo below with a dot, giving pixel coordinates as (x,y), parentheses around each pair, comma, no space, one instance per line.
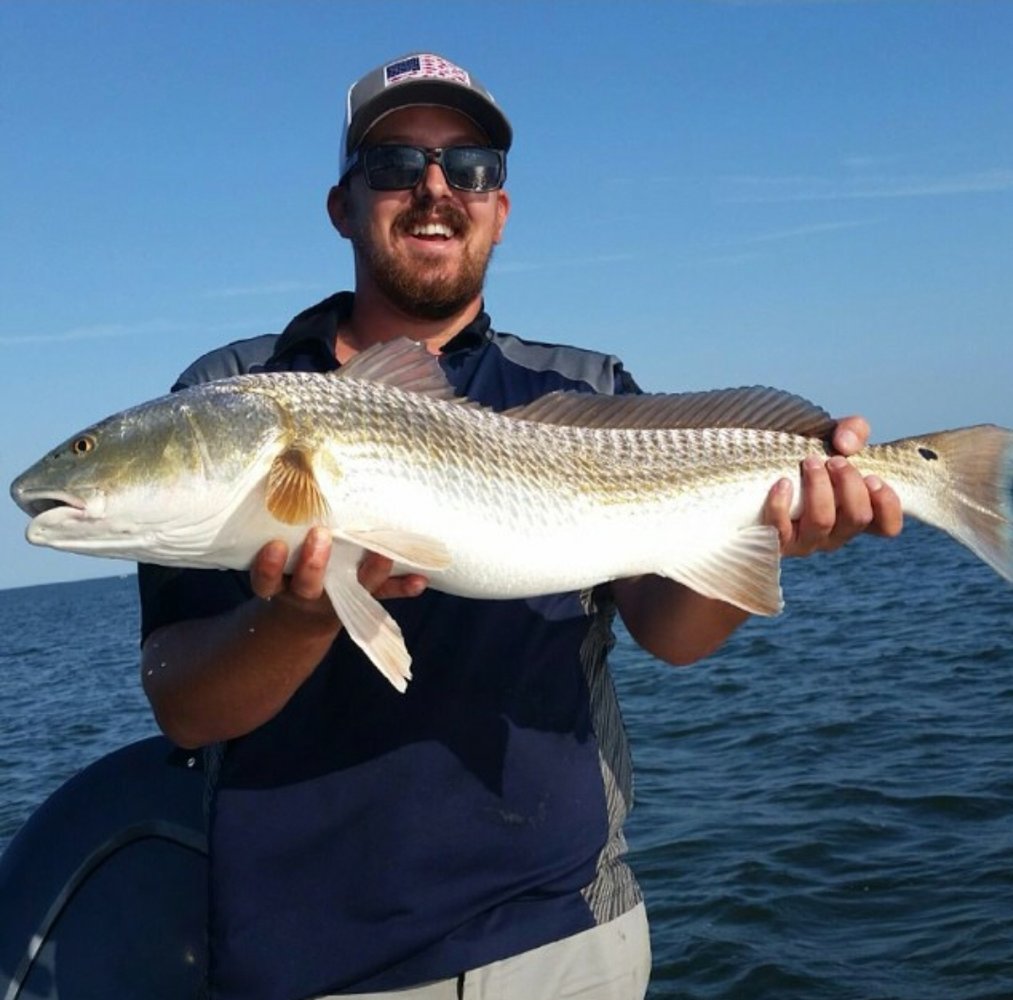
(393,168)
(467,168)
(473,168)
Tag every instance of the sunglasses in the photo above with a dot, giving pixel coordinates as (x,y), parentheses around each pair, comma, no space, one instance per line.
(399,168)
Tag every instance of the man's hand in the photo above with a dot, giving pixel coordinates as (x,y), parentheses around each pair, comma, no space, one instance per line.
(305,587)
(837,502)
(216,678)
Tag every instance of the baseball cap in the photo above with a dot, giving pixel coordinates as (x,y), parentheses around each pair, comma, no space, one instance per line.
(419,78)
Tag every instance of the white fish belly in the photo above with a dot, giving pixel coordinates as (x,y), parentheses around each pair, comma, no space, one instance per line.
(528,544)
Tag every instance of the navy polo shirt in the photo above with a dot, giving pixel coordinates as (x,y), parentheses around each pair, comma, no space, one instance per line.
(365,840)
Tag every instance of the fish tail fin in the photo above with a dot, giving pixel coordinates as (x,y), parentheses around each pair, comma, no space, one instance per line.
(978,463)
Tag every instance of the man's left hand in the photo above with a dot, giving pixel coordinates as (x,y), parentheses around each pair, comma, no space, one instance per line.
(837,502)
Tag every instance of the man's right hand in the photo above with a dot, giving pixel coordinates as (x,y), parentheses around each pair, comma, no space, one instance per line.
(213,679)
(305,585)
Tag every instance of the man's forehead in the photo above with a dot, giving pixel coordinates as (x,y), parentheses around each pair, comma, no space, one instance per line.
(419,123)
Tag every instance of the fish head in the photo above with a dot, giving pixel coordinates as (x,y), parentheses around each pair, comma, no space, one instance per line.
(124,486)
(64,485)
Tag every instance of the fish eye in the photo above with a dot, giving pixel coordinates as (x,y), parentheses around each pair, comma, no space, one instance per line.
(84,444)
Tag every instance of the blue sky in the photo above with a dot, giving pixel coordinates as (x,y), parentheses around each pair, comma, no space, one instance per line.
(814,195)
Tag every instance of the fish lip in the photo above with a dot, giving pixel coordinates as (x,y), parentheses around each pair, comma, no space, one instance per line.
(35,503)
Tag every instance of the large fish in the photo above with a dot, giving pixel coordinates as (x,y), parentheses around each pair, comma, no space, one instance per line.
(564,493)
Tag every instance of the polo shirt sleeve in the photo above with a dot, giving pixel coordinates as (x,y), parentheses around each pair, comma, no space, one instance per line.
(625,384)
(170,595)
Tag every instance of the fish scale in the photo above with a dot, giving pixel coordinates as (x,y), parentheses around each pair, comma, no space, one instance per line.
(567,492)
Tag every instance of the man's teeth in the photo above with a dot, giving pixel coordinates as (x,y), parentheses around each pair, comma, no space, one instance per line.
(433,229)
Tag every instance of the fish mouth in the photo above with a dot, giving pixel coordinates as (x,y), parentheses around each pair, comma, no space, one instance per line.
(38,502)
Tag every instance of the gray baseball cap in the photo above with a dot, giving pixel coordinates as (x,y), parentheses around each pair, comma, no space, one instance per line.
(419,78)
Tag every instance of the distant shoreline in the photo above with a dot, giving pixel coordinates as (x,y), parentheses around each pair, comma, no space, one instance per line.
(71,583)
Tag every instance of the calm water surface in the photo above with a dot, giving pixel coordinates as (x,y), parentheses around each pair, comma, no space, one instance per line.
(824,809)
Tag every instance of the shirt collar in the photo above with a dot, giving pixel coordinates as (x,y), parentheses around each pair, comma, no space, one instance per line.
(314,330)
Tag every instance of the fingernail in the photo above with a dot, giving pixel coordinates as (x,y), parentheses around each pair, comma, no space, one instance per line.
(847,441)
(874,483)
(837,462)
(275,551)
(812,463)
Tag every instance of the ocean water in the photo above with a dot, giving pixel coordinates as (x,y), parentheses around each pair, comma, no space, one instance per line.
(824,808)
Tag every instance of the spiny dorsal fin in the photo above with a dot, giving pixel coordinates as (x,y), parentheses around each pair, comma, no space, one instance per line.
(757,407)
(293,494)
(403,363)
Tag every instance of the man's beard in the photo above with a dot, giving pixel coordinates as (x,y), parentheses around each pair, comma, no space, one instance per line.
(412,288)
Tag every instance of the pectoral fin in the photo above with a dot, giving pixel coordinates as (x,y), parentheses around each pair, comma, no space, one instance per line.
(405,547)
(364,618)
(745,571)
(293,493)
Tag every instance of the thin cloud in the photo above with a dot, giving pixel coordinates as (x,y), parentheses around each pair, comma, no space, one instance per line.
(791,3)
(726,259)
(516,267)
(871,161)
(750,189)
(98,331)
(800,232)
(111,331)
(269,288)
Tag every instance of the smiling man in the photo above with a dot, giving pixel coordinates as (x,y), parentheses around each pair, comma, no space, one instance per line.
(464,839)
(423,257)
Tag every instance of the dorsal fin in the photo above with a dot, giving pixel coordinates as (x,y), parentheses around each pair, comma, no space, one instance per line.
(293,494)
(403,363)
(757,407)
(407,365)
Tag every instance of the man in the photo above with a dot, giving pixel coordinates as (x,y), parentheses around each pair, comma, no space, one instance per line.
(463,839)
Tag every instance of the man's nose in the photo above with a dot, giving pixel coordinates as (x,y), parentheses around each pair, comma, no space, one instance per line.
(434,181)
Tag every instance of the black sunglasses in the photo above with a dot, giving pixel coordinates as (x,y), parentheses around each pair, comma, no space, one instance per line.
(398,168)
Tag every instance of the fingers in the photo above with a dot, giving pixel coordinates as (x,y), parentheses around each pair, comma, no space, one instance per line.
(819,517)
(817,521)
(852,503)
(837,504)
(410,585)
(887,513)
(303,589)
(850,435)
(777,512)
(375,576)
(374,571)
(267,571)
(867,504)
(308,575)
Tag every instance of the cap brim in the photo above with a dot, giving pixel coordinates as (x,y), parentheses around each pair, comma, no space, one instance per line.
(432,93)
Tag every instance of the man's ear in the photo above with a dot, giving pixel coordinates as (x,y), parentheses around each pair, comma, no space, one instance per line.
(502,211)
(337,209)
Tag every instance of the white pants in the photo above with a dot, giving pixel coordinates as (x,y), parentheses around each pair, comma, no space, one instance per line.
(611,962)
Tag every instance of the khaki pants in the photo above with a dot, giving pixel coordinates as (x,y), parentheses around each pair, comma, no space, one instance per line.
(611,962)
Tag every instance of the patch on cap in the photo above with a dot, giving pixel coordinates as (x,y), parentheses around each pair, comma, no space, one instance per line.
(424,67)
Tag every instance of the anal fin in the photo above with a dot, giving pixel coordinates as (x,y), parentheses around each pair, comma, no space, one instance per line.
(744,571)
